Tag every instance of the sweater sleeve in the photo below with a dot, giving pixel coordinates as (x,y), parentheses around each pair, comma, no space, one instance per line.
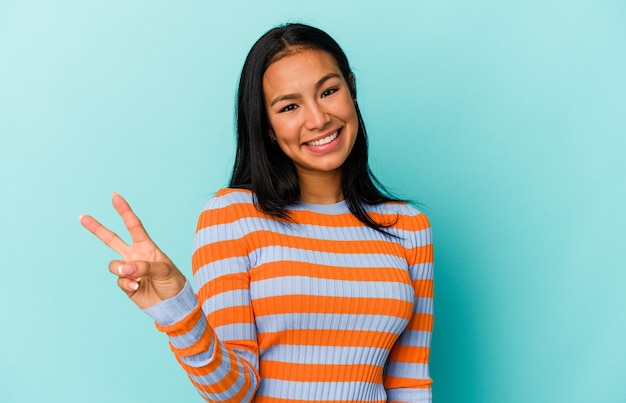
(213,334)
(407,377)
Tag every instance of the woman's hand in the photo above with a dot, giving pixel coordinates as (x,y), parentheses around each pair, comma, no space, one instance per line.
(145,273)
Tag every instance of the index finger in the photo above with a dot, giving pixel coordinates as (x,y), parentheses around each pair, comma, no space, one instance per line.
(131,221)
(107,236)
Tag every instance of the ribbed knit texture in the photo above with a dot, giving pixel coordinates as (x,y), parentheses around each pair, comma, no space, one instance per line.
(321,309)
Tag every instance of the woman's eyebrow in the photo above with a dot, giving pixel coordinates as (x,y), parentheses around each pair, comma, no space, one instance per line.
(318,84)
(327,77)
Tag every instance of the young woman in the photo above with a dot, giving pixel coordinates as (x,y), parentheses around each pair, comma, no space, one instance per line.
(312,283)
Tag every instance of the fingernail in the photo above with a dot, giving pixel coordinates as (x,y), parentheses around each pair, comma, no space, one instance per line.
(126,269)
(135,286)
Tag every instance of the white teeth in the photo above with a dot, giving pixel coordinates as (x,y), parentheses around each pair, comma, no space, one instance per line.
(325,140)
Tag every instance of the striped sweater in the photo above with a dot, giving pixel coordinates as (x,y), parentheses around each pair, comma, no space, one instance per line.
(319,309)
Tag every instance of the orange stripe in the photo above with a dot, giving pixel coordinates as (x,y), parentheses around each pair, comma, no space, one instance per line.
(216,251)
(230,315)
(405,223)
(320,337)
(409,354)
(233,212)
(268,238)
(198,347)
(225,283)
(233,248)
(335,220)
(225,384)
(243,391)
(225,191)
(286,269)
(415,223)
(421,321)
(320,372)
(222,384)
(212,365)
(199,371)
(422,254)
(411,383)
(184,325)
(423,288)
(228,214)
(218,356)
(324,304)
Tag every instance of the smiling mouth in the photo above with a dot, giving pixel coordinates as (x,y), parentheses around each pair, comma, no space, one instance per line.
(324,140)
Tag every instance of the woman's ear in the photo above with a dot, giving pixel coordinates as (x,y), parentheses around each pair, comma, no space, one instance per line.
(272,136)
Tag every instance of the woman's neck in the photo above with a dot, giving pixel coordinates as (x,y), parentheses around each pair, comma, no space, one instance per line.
(320,188)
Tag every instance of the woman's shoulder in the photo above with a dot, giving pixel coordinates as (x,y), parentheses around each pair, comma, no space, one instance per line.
(401,208)
(231,204)
(403,213)
(230,196)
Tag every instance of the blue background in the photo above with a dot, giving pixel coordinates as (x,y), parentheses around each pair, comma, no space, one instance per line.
(505,120)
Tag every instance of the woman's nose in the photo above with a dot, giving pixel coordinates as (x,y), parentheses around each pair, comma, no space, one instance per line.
(316,117)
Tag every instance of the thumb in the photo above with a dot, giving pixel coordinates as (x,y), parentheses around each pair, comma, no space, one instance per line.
(138,268)
(147,283)
(161,278)
(141,268)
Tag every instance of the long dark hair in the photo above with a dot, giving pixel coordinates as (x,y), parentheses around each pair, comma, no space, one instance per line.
(260,165)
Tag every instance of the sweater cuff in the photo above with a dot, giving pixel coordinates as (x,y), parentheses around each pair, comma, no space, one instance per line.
(172,310)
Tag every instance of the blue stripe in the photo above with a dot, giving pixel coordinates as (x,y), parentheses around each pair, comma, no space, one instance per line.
(423,237)
(234,197)
(421,271)
(410,395)
(302,285)
(423,305)
(406,370)
(300,354)
(226,299)
(352,260)
(208,272)
(227,232)
(417,338)
(219,374)
(236,331)
(189,338)
(246,197)
(392,209)
(320,391)
(201,359)
(328,321)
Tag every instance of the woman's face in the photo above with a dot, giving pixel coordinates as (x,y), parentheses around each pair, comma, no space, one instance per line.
(311,111)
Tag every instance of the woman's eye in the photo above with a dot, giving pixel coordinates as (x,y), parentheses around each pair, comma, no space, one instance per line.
(288,108)
(329,91)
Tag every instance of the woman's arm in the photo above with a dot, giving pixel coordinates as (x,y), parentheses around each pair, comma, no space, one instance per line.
(407,377)
(221,361)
